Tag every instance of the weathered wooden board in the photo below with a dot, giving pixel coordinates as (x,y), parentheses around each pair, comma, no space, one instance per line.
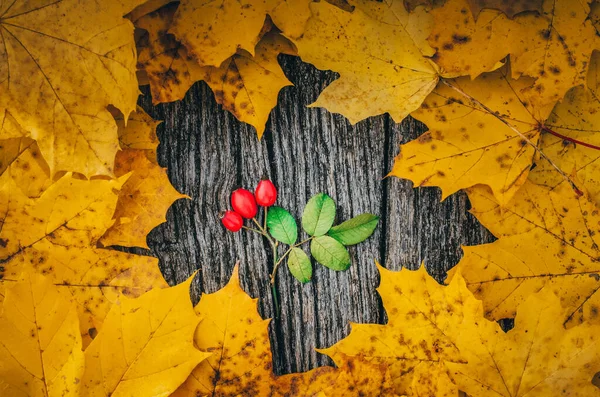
(304,151)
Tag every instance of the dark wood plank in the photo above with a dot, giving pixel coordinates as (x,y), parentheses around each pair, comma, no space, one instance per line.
(304,151)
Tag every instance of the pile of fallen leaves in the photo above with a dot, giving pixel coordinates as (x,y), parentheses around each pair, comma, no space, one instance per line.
(508,89)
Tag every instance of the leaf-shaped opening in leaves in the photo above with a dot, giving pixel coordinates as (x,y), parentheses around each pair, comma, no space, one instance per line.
(330,253)
(299,265)
(318,214)
(355,230)
(282,225)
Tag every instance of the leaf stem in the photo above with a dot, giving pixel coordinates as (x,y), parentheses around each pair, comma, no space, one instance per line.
(566,138)
(519,133)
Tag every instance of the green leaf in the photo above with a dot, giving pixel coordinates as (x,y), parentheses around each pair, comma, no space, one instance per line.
(282,226)
(318,215)
(354,230)
(299,265)
(330,253)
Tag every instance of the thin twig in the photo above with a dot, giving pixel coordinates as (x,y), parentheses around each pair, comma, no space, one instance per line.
(519,133)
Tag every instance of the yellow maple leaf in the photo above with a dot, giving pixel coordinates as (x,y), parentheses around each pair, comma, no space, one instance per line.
(139,132)
(470,46)
(61,64)
(145,347)
(248,86)
(553,45)
(21,159)
(171,70)
(575,118)
(241,364)
(466,145)
(143,200)
(40,348)
(62,227)
(538,357)
(379,55)
(422,319)
(547,239)
(206,28)
(245,84)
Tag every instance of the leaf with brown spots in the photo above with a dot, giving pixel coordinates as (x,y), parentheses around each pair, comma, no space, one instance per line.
(241,364)
(145,347)
(466,145)
(548,238)
(423,321)
(378,49)
(143,200)
(538,357)
(577,119)
(214,31)
(248,86)
(140,131)
(40,348)
(465,45)
(61,64)
(553,46)
(171,70)
(62,227)
(21,159)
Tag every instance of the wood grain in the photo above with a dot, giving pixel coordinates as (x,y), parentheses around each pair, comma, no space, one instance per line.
(304,151)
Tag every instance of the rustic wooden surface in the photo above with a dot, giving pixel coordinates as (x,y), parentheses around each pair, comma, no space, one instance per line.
(304,151)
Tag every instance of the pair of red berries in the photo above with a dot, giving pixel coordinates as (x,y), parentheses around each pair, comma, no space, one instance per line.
(244,204)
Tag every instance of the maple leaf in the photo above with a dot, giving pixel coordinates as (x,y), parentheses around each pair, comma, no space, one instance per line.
(140,131)
(577,120)
(145,346)
(547,239)
(538,357)
(21,159)
(62,227)
(147,194)
(241,364)
(246,85)
(422,320)
(553,46)
(205,28)
(53,100)
(379,55)
(40,348)
(466,145)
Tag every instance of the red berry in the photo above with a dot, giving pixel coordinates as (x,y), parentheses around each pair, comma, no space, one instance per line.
(265,193)
(243,203)
(232,221)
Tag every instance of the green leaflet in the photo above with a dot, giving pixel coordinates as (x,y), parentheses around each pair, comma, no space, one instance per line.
(330,253)
(282,225)
(299,265)
(354,230)
(318,215)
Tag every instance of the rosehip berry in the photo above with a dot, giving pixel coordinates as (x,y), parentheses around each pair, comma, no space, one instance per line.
(232,221)
(265,193)
(243,203)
